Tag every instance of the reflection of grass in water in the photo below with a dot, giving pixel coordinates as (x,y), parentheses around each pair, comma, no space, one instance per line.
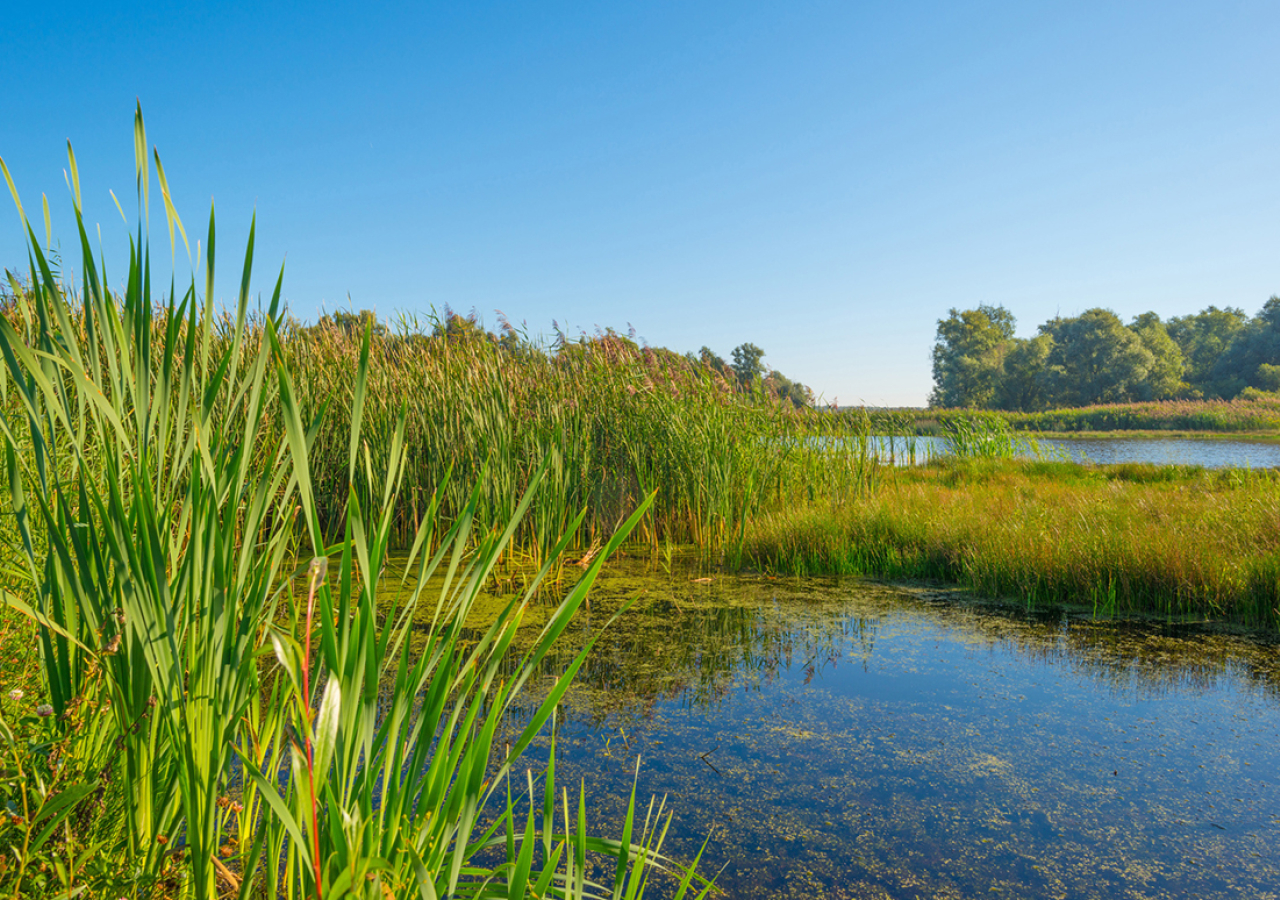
(831,790)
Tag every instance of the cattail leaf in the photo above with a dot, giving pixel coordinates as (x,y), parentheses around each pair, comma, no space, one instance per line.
(326,729)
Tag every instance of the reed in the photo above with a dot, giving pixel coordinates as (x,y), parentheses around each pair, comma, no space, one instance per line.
(986,437)
(227,718)
(619,422)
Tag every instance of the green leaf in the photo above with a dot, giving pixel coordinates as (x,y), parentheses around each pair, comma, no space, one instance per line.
(326,729)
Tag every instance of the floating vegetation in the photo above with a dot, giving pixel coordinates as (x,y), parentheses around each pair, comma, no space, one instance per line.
(846,739)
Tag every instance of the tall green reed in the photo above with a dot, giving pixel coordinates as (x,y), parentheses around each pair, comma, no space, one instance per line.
(619,422)
(233,734)
(986,437)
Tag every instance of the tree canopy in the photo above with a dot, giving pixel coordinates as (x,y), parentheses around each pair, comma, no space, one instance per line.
(1094,357)
(969,354)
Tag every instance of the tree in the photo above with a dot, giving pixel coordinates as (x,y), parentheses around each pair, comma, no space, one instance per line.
(1203,338)
(353,323)
(747,365)
(1094,359)
(968,354)
(1257,344)
(1022,381)
(713,361)
(1164,380)
(456,327)
(1268,378)
(786,389)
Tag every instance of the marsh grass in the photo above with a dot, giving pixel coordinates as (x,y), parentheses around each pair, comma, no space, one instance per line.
(227,718)
(1179,542)
(619,422)
(1260,415)
(986,437)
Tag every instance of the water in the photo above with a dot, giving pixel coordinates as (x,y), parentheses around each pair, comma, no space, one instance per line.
(1209,452)
(844,739)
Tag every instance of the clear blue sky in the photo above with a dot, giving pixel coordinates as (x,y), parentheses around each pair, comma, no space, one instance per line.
(824,179)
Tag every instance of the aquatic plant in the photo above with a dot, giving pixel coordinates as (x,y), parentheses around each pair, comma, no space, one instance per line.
(985,436)
(619,422)
(1261,414)
(228,718)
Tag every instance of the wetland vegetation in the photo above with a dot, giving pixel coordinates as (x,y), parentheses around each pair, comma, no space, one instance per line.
(1173,541)
(286,605)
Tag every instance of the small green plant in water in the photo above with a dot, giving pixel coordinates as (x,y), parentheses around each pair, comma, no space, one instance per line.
(987,437)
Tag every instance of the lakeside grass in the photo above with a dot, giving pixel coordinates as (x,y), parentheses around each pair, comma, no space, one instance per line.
(1181,542)
(1259,415)
(1253,437)
(619,422)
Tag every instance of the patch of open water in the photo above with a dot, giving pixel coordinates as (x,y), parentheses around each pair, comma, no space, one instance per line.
(842,739)
(1212,453)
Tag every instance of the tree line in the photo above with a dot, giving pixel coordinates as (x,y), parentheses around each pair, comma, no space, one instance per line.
(1094,357)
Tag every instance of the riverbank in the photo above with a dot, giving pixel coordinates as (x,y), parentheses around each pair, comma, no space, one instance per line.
(1258,415)
(1176,541)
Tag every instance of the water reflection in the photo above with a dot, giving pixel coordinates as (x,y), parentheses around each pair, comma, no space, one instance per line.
(851,740)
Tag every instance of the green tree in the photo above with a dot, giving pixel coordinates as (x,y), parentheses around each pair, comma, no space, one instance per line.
(968,356)
(457,327)
(747,365)
(1256,345)
(354,323)
(1094,359)
(1022,381)
(1164,379)
(713,361)
(1203,338)
(786,389)
(1268,378)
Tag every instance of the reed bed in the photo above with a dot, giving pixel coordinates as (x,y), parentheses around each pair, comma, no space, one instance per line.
(224,707)
(1177,542)
(619,422)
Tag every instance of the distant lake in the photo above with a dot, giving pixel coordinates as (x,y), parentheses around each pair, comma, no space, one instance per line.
(1213,453)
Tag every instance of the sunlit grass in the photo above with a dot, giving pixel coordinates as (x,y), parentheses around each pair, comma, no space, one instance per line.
(617,421)
(1261,414)
(1178,542)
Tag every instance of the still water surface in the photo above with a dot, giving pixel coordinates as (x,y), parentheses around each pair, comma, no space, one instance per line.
(843,739)
(1211,453)
(1214,453)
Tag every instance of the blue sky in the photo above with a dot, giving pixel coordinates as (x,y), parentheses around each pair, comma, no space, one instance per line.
(822,179)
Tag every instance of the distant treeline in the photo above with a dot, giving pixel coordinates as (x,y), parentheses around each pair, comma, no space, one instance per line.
(1094,358)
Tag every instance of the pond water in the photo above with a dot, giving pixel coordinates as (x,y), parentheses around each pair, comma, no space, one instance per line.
(841,739)
(1209,452)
